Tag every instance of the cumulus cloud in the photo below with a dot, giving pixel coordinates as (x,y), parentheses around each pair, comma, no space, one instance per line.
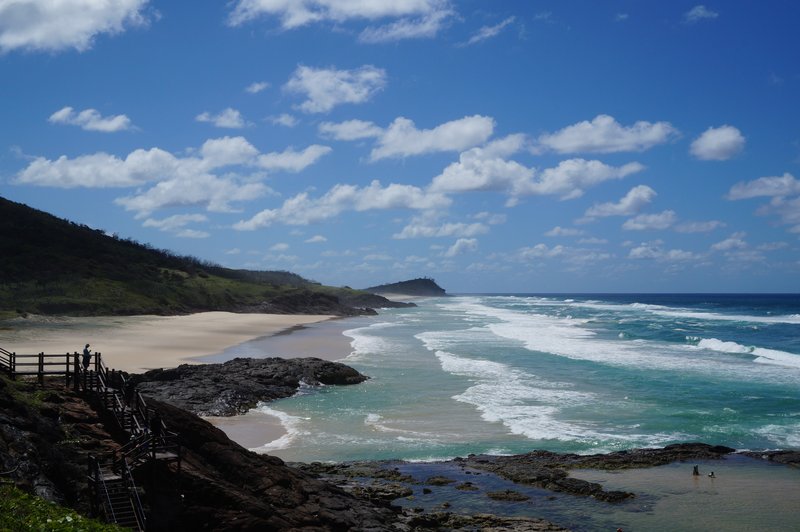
(784,192)
(257,86)
(605,135)
(698,13)
(699,227)
(42,25)
(487,32)
(411,19)
(563,231)
(424,27)
(461,246)
(777,186)
(733,242)
(181,181)
(540,251)
(718,144)
(177,224)
(325,88)
(316,239)
(402,138)
(90,120)
(648,222)
(228,118)
(291,160)
(572,177)
(426,227)
(631,203)
(487,168)
(655,251)
(284,119)
(350,130)
(304,210)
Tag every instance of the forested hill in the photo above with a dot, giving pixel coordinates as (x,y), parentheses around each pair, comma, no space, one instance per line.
(414,287)
(52,266)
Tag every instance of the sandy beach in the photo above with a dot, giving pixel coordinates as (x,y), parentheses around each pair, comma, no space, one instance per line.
(139,343)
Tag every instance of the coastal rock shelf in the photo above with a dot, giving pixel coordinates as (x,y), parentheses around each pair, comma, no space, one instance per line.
(236,386)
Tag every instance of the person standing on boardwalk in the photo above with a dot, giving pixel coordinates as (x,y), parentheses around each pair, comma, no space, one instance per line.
(87,357)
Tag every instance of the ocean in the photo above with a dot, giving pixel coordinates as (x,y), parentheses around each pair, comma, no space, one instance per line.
(506,374)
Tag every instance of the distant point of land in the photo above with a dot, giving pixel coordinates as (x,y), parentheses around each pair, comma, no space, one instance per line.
(422,287)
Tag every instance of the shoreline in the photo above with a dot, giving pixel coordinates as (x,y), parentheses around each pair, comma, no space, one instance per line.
(261,431)
(139,343)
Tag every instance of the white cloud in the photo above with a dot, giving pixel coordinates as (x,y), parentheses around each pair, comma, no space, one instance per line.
(325,88)
(422,227)
(296,13)
(285,120)
(487,32)
(316,239)
(90,120)
(226,151)
(256,87)
(491,219)
(733,242)
(593,241)
(647,222)
(563,231)
(281,246)
(424,27)
(99,170)
(228,118)
(621,17)
(233,251)
(303,210)
(785,185)
(181,181)
(572,177)
(656,251)
(177,224)
(488,169)
(605,135)
(215,193)
(377,257)
(291,160)
(350,130)
(631,203)
(718,144)
(784,191)
(44,25)
(699,227)
(698,13)
(402,138)
(541,251)
(461,246)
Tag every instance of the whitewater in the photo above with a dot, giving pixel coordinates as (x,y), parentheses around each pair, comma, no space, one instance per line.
(506,374)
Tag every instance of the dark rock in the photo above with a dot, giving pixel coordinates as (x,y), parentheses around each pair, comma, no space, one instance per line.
(439,481)
(791,458)
(507,495)
(238,385)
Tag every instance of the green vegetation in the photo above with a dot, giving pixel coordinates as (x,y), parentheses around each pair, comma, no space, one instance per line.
(423,286)
(53,266)
(21,511)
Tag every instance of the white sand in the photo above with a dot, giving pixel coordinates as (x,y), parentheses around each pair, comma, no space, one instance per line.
(138,343)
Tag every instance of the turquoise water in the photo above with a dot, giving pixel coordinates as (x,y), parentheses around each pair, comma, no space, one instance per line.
(511,373)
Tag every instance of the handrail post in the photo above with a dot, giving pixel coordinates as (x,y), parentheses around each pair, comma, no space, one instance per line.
(14,366)
(97,362)
(41,367)
(66,371)
(77,373)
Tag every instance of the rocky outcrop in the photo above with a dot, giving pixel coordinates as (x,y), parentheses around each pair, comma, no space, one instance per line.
(423,287)
(550,470)
(236,386)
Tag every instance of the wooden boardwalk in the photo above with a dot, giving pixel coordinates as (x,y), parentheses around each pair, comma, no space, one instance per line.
(115,496)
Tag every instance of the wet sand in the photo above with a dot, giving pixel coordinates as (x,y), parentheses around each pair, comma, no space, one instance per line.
(258,430)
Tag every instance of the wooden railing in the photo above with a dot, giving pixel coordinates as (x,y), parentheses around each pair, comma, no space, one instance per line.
(41,364)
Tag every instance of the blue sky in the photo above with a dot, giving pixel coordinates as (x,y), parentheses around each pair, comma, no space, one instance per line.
(497,146)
